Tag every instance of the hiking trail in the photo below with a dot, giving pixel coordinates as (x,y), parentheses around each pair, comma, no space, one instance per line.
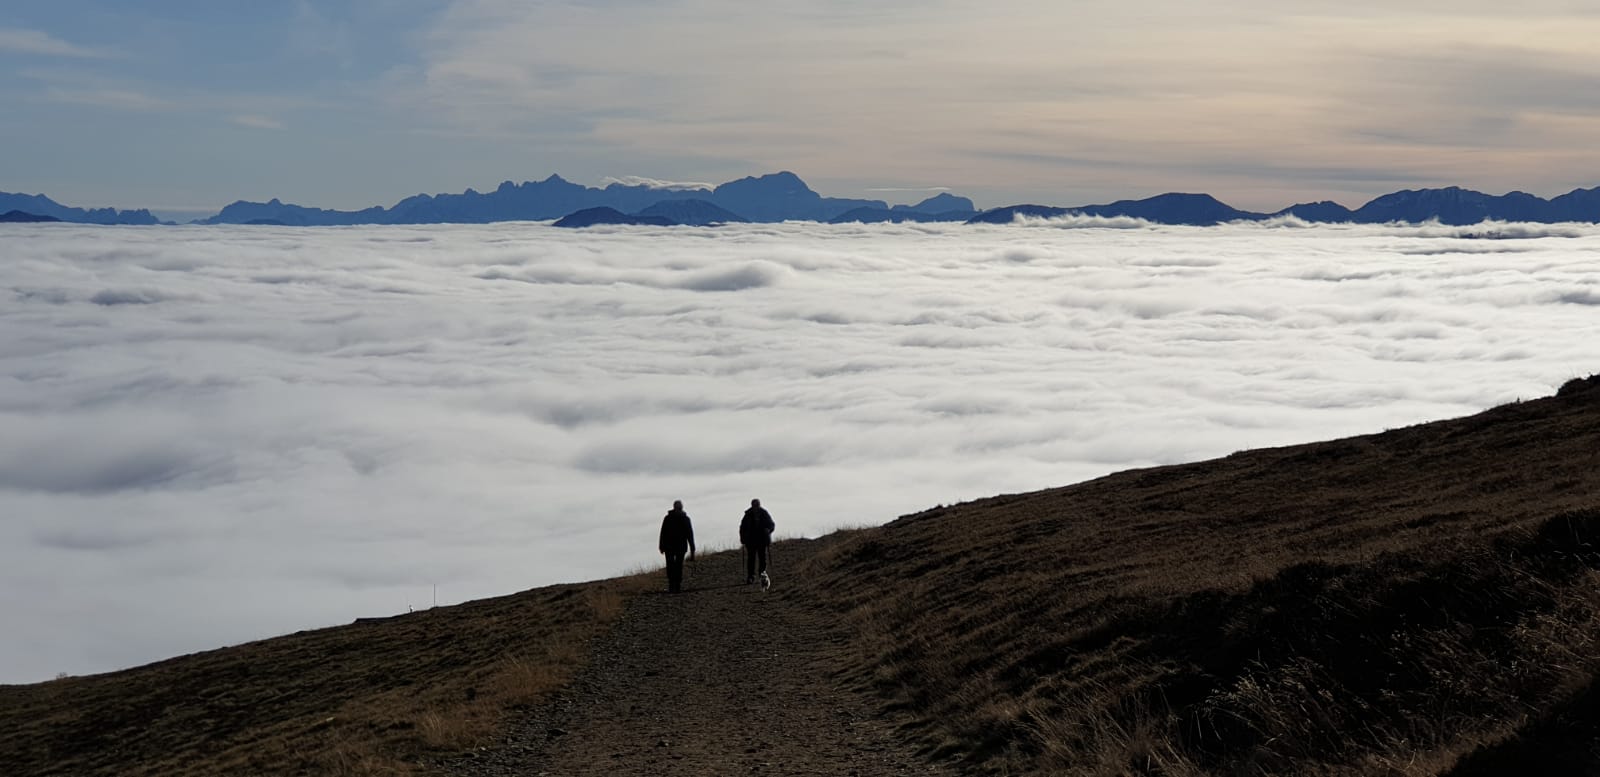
(719,679)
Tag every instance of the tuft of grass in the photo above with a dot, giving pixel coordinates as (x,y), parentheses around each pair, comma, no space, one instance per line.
(448,732)
(522,680)
(606,603)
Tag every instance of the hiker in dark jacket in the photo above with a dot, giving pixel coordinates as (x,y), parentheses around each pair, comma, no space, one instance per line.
(677,536)
(755,534)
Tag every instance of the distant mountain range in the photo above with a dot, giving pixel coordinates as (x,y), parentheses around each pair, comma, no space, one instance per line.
(40,205)
(1452,205)
(774,197)
(784,197)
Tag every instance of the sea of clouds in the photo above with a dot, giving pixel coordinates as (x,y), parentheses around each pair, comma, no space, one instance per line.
(215,434)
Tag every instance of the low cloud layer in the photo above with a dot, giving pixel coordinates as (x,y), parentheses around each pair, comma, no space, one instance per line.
(221,434)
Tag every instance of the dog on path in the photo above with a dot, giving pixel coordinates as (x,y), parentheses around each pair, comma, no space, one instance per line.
(766,582)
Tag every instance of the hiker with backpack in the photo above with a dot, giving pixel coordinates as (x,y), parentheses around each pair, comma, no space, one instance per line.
(677,536)
(755,534)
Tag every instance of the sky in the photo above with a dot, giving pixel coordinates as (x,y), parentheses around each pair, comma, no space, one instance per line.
(218,434)
(182,106)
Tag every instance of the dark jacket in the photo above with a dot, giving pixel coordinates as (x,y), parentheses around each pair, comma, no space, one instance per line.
(756,527)
(677,534)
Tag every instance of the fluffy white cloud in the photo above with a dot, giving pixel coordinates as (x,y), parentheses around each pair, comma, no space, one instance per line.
(217,434)
(635,180)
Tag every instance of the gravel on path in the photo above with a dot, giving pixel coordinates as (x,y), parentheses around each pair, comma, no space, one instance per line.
(720,679)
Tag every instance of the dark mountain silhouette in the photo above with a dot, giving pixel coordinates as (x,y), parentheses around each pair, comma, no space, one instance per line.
(776,197)
(1170,208)
(275,212)
(695,213)
(1453,205)
(40,205)
(1174,208)
(1450,205)
(637,197)
(1326,211)
(20,217)
(941,207)
(783,196)
(529,201)
(943,202)
(1576,205)
(554,197)
(589,217)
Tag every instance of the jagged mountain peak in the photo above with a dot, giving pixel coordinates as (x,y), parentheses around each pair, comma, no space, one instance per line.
(782,181)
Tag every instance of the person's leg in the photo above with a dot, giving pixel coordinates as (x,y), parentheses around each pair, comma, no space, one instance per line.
(674,572)
(761,553)
(750,563)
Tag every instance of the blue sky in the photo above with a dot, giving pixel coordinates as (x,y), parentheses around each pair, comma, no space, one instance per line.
(185,106)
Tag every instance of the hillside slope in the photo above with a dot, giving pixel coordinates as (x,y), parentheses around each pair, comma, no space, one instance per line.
(376,697)
(1423,601)
(1387,604)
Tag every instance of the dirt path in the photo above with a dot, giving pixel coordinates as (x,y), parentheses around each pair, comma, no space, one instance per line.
(721,679)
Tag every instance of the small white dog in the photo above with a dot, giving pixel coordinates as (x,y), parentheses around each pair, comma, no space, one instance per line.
(766,582)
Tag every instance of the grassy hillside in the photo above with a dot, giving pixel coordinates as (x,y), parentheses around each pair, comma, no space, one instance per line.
(1423,601)
(377,697)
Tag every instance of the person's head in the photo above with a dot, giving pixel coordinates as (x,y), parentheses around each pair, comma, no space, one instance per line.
(755,503)
(677,504)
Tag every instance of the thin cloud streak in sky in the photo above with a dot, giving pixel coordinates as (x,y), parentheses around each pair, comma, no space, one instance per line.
(26,41)
(257,121)
(219,434)
(116,99)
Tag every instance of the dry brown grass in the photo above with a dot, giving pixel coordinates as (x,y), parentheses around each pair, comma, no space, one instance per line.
(1405,603)
(379,697)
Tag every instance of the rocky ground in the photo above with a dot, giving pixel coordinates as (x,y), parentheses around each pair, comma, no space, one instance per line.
(720,679)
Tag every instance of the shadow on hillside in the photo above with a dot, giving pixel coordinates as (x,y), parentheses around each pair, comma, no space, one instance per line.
(1424,601)
(1322,662)
(1341,663)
